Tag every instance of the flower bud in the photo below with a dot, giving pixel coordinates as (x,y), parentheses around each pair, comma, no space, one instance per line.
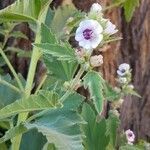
(96,60)
(96,8)
(110,28)
(122,80)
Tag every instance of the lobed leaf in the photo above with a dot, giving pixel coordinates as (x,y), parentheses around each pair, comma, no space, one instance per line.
(62,126)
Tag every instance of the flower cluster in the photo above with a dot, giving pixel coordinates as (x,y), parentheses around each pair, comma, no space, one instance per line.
(124,76)
(93,29)
(130,136)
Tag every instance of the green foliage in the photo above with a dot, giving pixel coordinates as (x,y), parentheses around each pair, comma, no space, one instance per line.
(13,132)
(38,140)
(94,83)
(25,11)
(63,70)
(61,126)
(62,14)
(129,8)
(10,95)
(61,51)
(112,126)
(95,132)
(43,100)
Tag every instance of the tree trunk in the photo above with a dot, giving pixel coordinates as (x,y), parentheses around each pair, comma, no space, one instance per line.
(133,49)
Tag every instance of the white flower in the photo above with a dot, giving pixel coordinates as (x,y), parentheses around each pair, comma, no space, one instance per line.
(88,34)
(122,80)
(110,28)
(130,136)
(96,8)
(123,69)
(96,60)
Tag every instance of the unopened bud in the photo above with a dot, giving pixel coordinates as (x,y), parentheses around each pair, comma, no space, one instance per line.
(96,60)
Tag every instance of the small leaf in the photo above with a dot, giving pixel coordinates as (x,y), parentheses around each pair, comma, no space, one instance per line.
(44,100)
(129,8)
(94,83)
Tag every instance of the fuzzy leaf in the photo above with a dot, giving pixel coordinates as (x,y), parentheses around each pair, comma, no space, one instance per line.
(93,82)
(62,70)
(44,100)
(60,51)
(61,126)
(24,10)
(47,36)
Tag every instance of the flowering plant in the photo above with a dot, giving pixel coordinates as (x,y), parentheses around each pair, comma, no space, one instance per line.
(52,115)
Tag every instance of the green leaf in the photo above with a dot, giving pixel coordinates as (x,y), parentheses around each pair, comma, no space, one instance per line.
(61,126)
(46,35)
(13,132)
(94,82)
(38,140)
(95,132)
(24,10)
(129,147)
(60,51)
(44,100)
(109,93)
(129,8)
(112,126)
(3,146)
(62,70)
(60,18)
(10,95)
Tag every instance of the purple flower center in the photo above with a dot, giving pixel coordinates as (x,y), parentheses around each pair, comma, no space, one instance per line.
(87,33)
(130,134)
(123,70)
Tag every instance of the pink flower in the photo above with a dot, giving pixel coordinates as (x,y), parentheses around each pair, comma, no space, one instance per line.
(130,136)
